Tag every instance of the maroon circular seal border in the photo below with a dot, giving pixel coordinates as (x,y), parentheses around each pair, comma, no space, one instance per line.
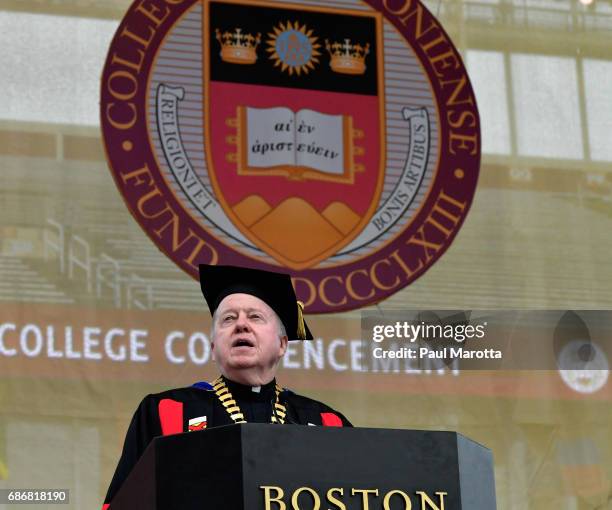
(363,282)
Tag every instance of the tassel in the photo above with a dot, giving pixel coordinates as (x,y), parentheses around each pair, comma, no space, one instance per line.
(301,328)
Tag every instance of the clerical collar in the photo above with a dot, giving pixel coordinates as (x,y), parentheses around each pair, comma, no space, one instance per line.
(247,399)
(264,392)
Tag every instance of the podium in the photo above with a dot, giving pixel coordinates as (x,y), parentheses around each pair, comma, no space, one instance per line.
(276,467)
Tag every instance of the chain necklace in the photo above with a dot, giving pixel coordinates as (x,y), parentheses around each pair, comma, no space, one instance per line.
(233,409)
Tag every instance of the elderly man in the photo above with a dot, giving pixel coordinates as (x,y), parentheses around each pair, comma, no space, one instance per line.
(254,314)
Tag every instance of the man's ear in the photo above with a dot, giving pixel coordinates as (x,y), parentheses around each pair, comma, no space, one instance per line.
(284,340)
(212,350)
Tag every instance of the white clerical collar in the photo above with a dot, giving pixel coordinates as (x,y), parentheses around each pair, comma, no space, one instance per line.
(255,389)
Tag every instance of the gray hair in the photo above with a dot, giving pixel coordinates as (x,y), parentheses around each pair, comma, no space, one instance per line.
(281,327)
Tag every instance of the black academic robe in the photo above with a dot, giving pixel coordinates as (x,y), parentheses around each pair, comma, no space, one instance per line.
(197,407)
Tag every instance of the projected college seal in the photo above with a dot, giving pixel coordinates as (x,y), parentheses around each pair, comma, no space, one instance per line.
(339,143)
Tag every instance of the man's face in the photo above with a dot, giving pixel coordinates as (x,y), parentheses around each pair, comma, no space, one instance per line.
(247,344)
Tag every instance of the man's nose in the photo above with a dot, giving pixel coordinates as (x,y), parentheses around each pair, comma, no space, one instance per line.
(242,324)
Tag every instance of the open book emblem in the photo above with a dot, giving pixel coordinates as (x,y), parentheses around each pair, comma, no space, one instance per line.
(294,123)
(304,145)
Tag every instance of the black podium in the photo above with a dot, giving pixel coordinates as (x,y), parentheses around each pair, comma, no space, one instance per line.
(275,467)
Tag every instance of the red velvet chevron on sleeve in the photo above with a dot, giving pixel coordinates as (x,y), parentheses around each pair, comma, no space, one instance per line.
(331,420)
(170,416)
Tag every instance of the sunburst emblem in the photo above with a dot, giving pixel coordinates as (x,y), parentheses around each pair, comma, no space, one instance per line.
(293,48)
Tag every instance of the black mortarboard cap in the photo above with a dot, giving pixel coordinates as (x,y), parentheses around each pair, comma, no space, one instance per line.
(275,289)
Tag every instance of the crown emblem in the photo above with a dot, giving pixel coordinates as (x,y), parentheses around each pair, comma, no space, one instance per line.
(347,58)
(238,48)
